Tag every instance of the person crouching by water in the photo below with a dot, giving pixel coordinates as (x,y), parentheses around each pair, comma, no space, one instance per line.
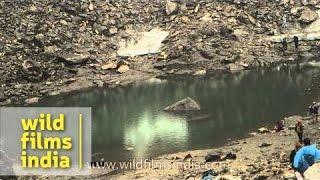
(299,129)
(298,146)
(314,110)
(279,126)
(305,157)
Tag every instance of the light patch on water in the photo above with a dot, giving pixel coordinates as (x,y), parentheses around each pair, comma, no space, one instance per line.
(150,129)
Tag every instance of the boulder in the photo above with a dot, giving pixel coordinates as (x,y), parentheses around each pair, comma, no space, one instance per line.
(308,16)
(213,158)
(313,172)
(186,104)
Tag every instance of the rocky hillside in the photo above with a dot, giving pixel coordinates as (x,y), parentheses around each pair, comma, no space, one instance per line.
(52,47)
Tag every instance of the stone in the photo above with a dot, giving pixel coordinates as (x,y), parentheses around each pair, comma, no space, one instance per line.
(188,156)
(32,100)
(186,104)
(206,18)
(235,67)
(263,175)
(74,58)
(229,156)
(123,68)
(308,16)
(264,144)
(110,65)
(313,172)
(263,130)
(113,31)
(212,158)
(288,175)
(171,7)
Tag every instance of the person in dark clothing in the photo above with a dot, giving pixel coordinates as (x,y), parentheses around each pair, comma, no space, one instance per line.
(279,126)
(306,142)
(284,44)
(298,145)
(296,41)
(314,110)
(299,129)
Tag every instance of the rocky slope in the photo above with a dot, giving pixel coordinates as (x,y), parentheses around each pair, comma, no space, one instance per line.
(57,46)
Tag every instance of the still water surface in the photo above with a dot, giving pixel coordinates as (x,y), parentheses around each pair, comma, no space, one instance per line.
(128,122)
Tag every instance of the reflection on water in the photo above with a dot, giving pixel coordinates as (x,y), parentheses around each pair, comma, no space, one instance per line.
(150,129)
(129,122)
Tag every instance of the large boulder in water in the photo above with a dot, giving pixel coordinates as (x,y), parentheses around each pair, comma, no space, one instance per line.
(186,104)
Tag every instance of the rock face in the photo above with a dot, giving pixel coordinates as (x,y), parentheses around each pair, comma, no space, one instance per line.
(186,104)
(308,16)
(313,172)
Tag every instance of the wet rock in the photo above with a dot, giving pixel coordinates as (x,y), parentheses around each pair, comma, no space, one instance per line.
(186,104)
(308,16)
(213,157)
(74,58)
(123,69)
(171,7)
(32,100)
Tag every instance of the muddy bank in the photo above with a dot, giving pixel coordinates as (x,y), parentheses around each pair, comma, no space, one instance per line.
(262,155)
(54,47)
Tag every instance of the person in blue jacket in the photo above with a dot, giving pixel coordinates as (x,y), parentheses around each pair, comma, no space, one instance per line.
(306,156)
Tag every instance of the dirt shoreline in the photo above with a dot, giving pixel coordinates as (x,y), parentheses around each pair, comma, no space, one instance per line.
(259,156)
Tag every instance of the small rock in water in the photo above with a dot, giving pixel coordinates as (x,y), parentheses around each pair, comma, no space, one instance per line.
(186,104)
